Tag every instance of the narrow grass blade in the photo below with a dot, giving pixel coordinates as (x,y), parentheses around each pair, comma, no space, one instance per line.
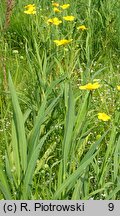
(19,124)
(70,118)
(42,116)
(108,154)
(72,178)
(4,185)
(26,114)
(113,193)
(97,73)
(54,84)
(36,129)
(93,148)
(31,167)
(60,175)
(116,159)
(76,192)
(91,195)
(81,116)
(15,149)
(53,103)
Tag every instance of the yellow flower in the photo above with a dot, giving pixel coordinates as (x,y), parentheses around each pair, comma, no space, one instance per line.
(65,6)
(29,6)
(56,10)
(82,27)
(118,88)
(62,42)
(69,18)
(90,86)
(55,4)
(103,117)
(30,9)
(54,21)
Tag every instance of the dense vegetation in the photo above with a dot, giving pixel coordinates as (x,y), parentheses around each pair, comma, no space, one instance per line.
(60,99)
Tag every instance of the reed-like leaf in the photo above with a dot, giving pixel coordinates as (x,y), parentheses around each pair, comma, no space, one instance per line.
(69,123)
(4,185)
(81,115)
(117,159)
(31,167)
(72,178)
(113,192)
(93,148)
(36,129)
(15,149)
(19,125)
(109,152)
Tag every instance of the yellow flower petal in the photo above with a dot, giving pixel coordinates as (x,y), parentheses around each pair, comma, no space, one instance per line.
(56,10)
(90,86)
(65,6)
(30,12)
(82,87)
(103,117)
(54,21)
(29,6)
(62,42)
(82,27)
(69,18)
(30,9)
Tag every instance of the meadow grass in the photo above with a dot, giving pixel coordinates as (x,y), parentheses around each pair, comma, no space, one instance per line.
(53,145)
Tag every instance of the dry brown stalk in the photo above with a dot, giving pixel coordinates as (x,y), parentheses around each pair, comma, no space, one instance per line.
(9,8)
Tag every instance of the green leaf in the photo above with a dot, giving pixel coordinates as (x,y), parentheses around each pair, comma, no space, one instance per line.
(36,129)
(116,159)
(70,118)
(113,193)
(72,178)
(19,126)
(31,167)
(93,148)
(15,149)
(81,115)
(109,152)
(4,185)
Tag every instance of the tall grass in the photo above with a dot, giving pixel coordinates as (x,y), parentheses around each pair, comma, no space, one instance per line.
(53,146)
